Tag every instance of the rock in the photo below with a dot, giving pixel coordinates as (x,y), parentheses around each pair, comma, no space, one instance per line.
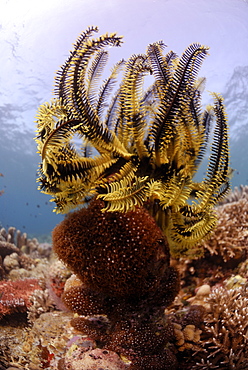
(94,359)
(11,262)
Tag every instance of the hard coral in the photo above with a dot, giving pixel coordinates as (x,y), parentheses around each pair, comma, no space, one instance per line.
(18,253)
(7,248)
(227,246)
(238,193)
(14,236)
(224,343)
(15,295)
(230,238)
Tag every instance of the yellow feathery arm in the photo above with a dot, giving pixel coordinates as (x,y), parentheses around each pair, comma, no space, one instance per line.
(82,168)
(178,94)
(187,143)
(66,69)
(131,94)
(73,87)
(161,66)
(78,178)
(124,196)
(47,118)
(171,193)
(186,230)
(71,195)
(216,185)
(105,90)
(93,77)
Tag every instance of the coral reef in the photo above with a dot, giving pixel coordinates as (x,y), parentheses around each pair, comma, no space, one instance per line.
(23,292)
(28,271)
(41,345)
(224,342)
(230,238)
(13,241)
(226,247)
(41,302)
(115,273)
(15,237)
(21,257)
(47,341)
(238,193)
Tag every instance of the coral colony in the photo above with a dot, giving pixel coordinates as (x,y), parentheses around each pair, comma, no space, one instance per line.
(134,172)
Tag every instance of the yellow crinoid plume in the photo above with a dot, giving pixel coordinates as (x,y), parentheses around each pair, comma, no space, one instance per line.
(140,148)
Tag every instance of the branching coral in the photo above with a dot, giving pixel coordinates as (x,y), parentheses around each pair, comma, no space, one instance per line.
(7,242)
(238,193)
(13,240)
(19,254)
(230,238)
(224,341)
(40,302)
(14,236)
(226,247)
(7,249)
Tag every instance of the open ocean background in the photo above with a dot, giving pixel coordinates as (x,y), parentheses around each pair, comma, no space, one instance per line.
(35,39)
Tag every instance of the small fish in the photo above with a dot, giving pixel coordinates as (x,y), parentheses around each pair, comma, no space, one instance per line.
(230,172)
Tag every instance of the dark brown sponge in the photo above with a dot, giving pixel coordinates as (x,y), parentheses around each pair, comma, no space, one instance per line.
(115,253)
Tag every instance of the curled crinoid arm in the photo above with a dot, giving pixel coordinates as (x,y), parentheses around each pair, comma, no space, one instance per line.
(76,83)
(193,222)
(178,94)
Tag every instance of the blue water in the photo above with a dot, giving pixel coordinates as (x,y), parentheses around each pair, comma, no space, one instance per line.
(34,42)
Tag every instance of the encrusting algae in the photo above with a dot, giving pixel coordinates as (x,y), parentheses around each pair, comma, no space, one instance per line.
(129,290)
